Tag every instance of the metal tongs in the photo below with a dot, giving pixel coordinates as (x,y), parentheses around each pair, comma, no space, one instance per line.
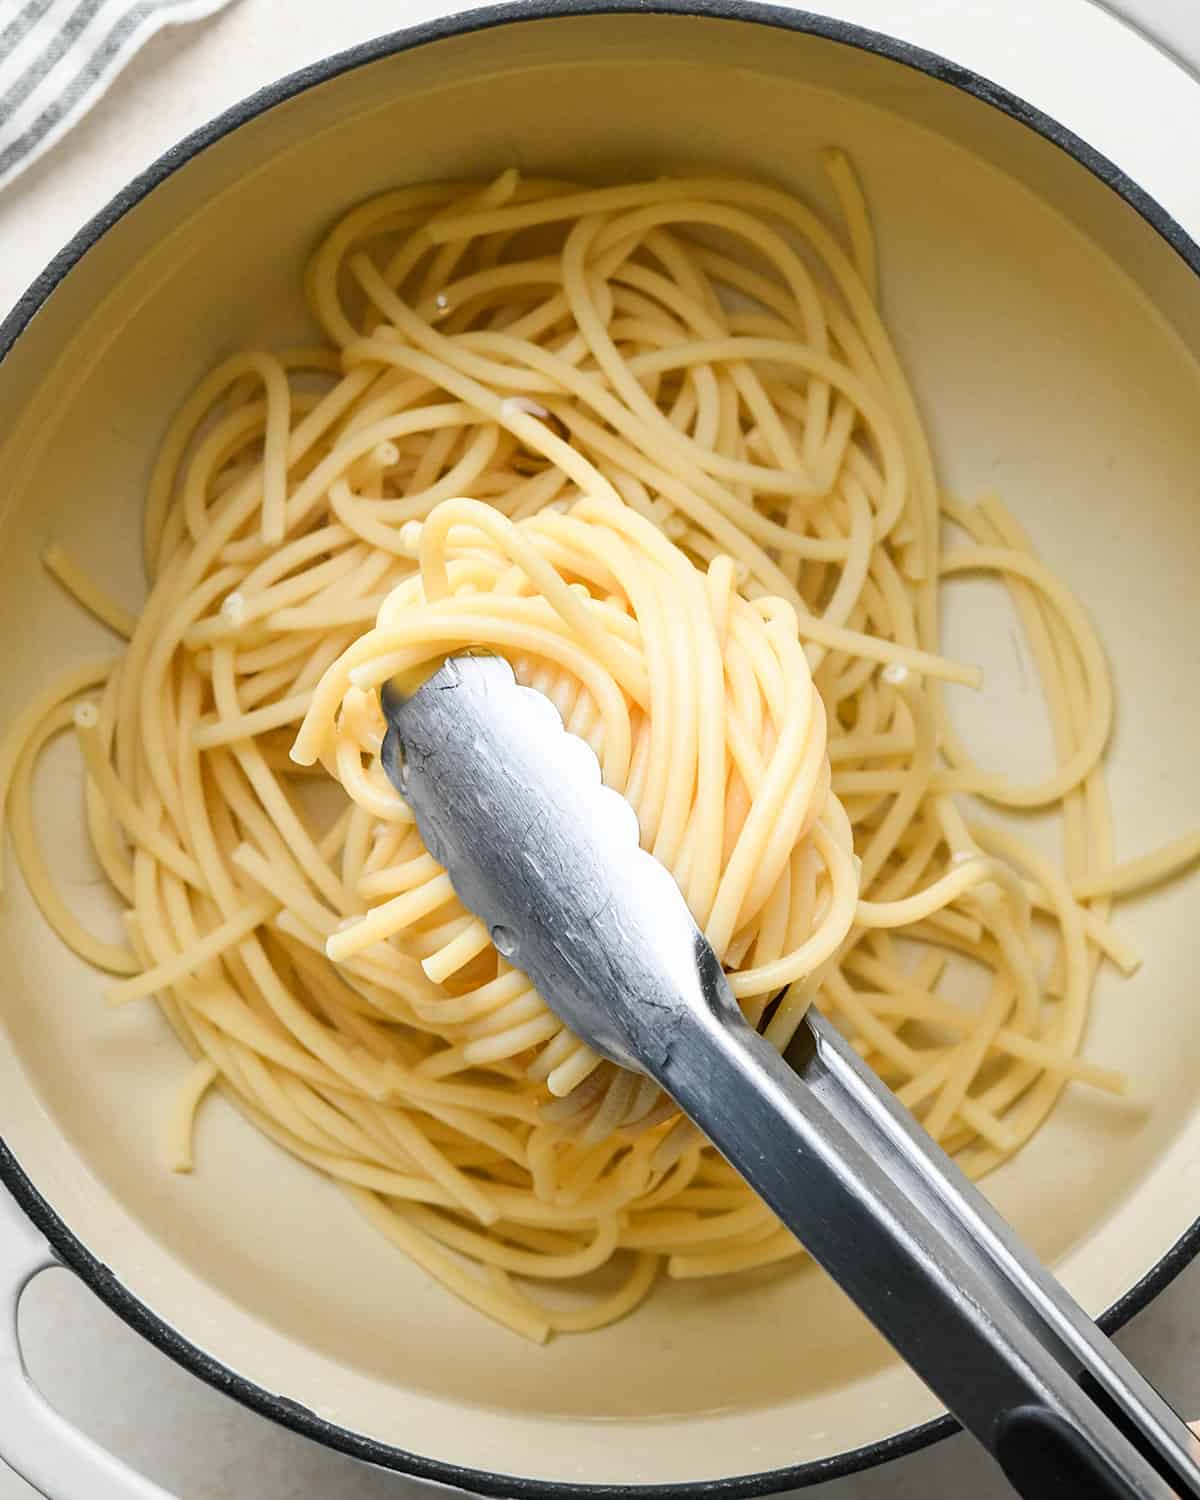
(513,807)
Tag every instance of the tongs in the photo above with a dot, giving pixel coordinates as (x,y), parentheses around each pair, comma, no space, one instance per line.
(513,807)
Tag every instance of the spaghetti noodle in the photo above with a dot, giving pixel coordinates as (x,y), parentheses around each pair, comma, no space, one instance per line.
(703,518)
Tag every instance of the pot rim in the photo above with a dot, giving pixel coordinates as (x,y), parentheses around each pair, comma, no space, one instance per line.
(66,1244)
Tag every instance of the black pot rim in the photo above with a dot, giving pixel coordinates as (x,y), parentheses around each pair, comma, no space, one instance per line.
(65,1243)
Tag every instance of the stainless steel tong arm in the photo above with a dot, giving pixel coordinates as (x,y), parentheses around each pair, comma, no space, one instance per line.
(513,807)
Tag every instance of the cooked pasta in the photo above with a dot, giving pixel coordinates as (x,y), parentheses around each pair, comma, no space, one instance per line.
(653,444)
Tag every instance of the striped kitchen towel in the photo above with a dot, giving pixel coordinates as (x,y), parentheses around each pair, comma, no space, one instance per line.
(57,57)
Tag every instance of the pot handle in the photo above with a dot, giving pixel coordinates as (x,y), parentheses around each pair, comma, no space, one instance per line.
(40,1445)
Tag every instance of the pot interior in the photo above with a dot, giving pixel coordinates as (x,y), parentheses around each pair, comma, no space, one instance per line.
(1052,338)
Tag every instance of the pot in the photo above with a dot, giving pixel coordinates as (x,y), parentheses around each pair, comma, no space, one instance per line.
(1031,180)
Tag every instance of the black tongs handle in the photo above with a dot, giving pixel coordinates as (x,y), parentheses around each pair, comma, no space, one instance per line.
(1045,1458)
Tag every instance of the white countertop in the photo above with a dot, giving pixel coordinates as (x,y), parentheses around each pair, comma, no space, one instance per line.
(194,1441)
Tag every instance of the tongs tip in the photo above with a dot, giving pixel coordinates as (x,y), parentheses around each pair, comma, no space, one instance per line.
(398,690)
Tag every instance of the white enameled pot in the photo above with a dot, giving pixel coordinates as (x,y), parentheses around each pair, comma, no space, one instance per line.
(1031,173)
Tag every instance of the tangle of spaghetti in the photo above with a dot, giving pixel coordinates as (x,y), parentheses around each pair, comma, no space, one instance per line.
(653,444)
